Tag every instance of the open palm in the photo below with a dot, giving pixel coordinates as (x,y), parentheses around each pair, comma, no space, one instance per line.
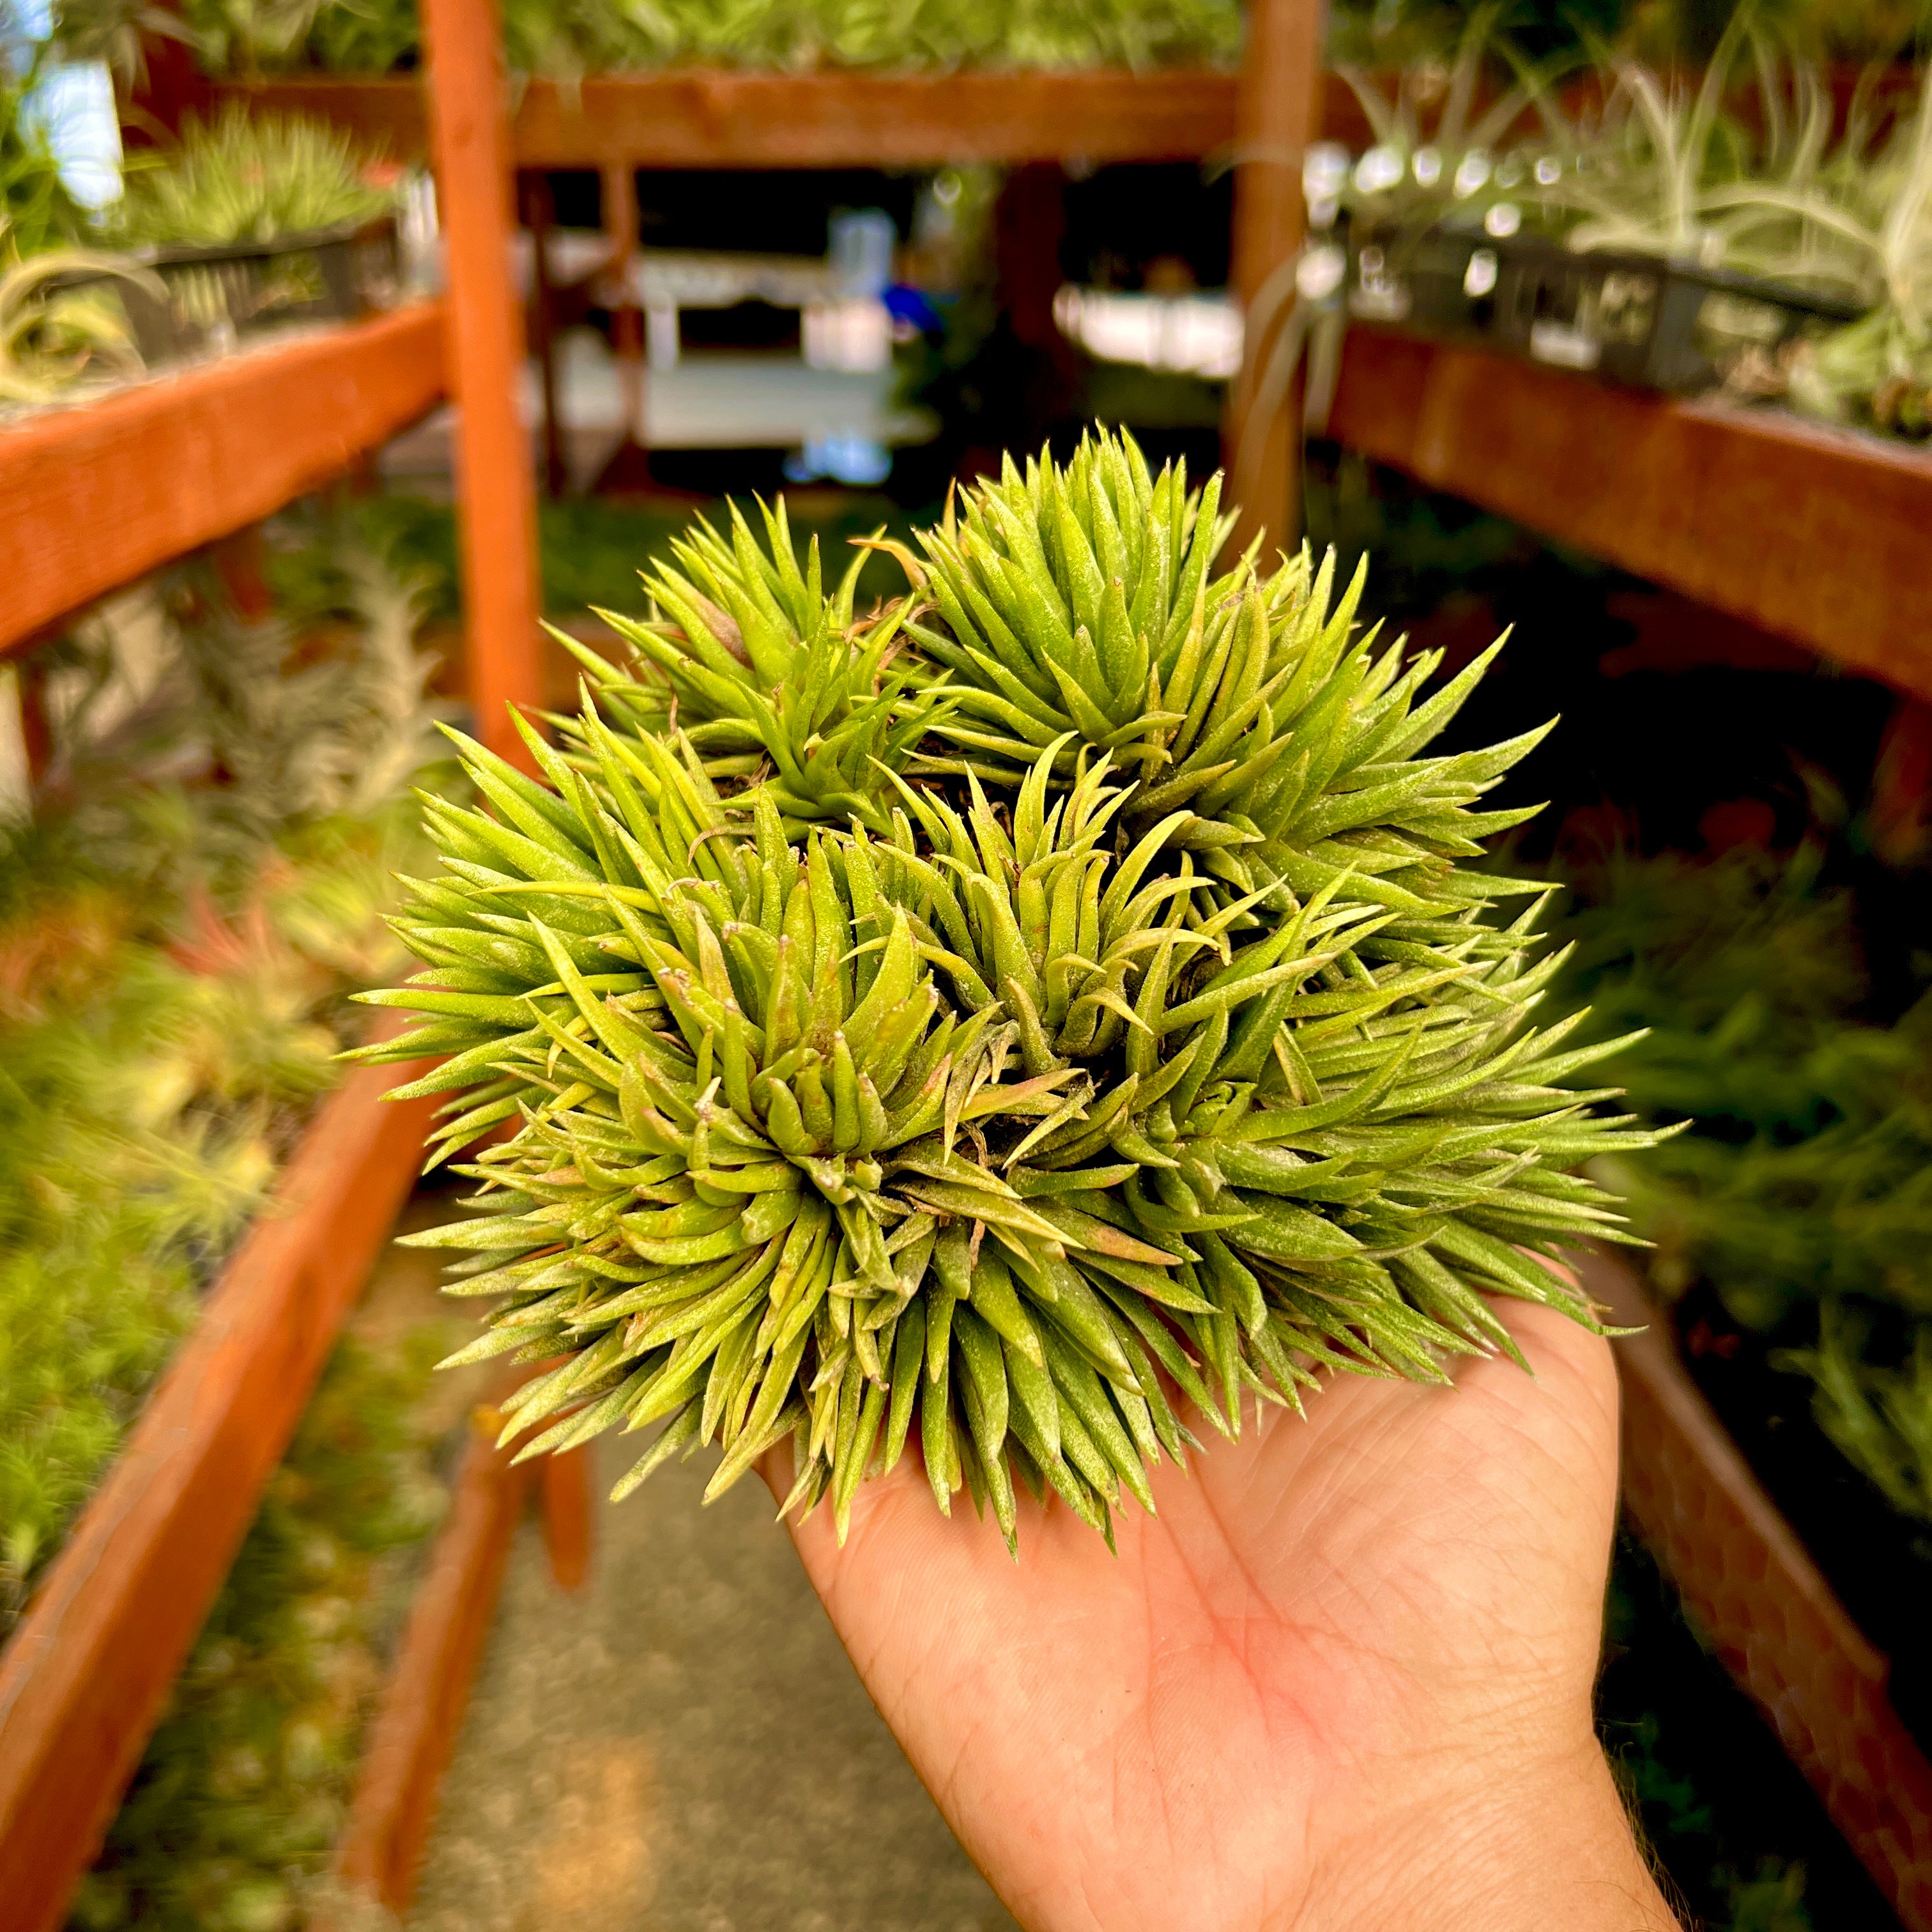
(1348,1665)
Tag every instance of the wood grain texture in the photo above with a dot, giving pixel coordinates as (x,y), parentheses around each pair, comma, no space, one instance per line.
(564,1494)
(86,1674)
(96,494)
(495,484)
(701,117)
(1278,112)
(1818,535)
(1763,1604)
(417,1723)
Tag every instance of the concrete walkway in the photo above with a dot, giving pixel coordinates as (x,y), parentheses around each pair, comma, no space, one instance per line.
(684,1747)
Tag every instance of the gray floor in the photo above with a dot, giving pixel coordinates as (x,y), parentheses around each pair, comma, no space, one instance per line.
(684,1748)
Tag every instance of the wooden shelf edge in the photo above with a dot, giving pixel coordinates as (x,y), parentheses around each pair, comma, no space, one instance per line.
(1814,534)
(86,1673)
(417,1722)
(95,494)
(421,1714)
(696,117)
(1758,1596)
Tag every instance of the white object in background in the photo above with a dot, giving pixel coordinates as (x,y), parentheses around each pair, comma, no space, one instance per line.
(419,232)
(854,336)
(662,342)
(16,788)
(860,250)
(1322,270)
(706,278)
(1325,171)
(1191,334)
(74,106)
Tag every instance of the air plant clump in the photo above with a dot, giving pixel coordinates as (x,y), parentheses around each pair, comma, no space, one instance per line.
(51,337)
(1137,1033)
(248,177)
(1878,369)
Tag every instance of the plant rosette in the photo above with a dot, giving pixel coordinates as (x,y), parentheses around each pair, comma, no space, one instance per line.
(1042,1013)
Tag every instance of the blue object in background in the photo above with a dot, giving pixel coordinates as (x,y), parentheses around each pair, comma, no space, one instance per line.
(913,308)
(857,461)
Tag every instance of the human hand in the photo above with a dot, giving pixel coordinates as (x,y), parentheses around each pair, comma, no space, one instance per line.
(1343,1679)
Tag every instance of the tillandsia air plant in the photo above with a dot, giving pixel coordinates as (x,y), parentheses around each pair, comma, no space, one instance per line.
(1670,170)
(1436,163)
(53,337)
(1879,369)
(248,177)
(1141,1033)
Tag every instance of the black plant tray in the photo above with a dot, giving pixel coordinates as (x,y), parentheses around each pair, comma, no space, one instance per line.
(213,296)
(1644,322)
(1436,280)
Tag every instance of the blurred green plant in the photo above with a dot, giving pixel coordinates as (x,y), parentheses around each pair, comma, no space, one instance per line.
(244,1785)
(172,958)
(565,39)
(37,212)
(248,177)
(1878,369)
(1803,1189)
(1663,1706)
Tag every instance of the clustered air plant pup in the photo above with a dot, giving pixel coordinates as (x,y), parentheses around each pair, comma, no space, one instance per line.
(1058,992)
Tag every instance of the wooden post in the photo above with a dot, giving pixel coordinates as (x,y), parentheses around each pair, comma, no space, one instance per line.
(415,1733)
(1276,111)
(628,467)
(470,141)
(539,214)
(563,1495)
(37,730)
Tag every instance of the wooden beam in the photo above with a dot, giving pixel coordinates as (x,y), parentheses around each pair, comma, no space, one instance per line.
(1758,1596)
(699,118)
(713,118)
(569,1516)
(1817,534)
(1277,114)
(495,489)
(97,493)
(87,1672)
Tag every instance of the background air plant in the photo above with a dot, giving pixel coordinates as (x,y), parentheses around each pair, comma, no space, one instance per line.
(1143,1033)
(52,337)
(171,958)
(1879,369)
(1434,159)
(248,177)
(1673,173)
(1801,1190)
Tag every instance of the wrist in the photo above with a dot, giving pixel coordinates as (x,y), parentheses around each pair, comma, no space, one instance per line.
(1514,1843)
